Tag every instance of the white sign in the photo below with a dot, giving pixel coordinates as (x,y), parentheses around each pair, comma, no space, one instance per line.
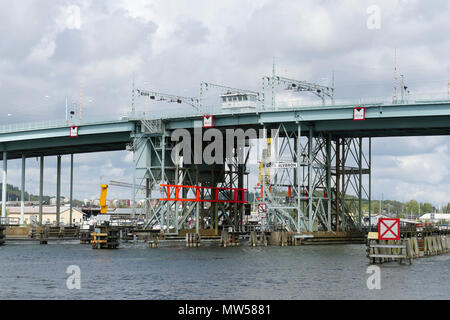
(207,121)
(359,113)
(262,210)
(281,165)
(73,132)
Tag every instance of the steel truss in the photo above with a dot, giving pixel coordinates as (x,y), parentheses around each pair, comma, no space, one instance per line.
(322,189)
(325,190)
(154,167)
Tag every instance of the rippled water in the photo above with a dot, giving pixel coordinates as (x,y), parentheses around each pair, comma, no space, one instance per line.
(33,271)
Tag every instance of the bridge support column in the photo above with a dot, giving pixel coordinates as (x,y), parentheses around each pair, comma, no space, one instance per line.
(41,187)
(310,186)
(5,172)
(58,189)
(22,193)
(370,184)
(298,152)
(329,191)
(71,189)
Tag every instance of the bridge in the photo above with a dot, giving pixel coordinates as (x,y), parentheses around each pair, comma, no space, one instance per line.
(330,149)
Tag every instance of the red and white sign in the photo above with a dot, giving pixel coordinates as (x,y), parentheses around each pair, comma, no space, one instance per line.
(359,113)
(388,229)
(73,132)
(207,121)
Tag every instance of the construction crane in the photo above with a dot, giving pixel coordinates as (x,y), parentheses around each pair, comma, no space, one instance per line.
(153,95)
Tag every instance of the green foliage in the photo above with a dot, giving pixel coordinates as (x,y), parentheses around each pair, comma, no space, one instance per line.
(13,194)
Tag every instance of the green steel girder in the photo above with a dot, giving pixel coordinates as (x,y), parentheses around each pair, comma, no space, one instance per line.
(381,120)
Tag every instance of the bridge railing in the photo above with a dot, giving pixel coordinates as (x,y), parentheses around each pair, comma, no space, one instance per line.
(49,124)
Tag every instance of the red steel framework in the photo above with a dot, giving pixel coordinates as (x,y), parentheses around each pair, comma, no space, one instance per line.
(214,192)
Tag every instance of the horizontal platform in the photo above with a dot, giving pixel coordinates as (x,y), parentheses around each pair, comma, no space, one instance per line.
(396,256)
(392,246)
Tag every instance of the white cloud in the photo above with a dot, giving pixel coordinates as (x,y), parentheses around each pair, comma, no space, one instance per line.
(49,47)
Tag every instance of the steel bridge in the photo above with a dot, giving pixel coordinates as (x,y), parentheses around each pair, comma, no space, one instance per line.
(323,191)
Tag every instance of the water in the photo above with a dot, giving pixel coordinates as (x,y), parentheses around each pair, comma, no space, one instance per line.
(33,271)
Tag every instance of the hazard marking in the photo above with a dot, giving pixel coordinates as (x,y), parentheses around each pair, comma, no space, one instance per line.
(388,229)
(207,121)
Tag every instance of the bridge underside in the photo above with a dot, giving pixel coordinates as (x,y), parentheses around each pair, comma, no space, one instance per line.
(65,145)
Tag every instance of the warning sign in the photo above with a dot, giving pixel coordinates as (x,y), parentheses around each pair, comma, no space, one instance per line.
(388,229)
(262,210)
(207,121)
(359,113)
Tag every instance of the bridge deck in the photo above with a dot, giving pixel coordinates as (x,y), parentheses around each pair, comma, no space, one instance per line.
(418,119)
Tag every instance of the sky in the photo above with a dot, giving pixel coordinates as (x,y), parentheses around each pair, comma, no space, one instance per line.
(92,50)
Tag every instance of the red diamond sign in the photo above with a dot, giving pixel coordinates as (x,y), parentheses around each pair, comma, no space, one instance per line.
(388,229)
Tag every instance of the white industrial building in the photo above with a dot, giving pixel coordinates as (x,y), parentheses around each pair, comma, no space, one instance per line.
(435,217)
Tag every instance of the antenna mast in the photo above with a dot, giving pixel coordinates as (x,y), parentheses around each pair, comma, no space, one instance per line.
(81,100)
(394,97)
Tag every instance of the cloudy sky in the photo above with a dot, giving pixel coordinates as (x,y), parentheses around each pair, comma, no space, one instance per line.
(53,49)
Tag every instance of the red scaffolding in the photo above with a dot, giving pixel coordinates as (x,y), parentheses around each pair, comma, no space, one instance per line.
(214,192)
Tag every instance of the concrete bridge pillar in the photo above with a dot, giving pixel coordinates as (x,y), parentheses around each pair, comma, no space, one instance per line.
(41,187)
(58,189)
(5,171)
(22,193)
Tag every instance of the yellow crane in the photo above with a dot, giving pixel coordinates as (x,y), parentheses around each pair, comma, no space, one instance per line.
(103,192)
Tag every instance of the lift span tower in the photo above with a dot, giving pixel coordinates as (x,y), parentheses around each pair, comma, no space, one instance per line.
(317,182)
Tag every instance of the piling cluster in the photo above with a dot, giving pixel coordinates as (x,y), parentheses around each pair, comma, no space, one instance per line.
(192,240)
(105,237)
(407,248)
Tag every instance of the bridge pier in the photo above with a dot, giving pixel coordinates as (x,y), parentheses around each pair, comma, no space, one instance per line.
(41,187)
(71,189)
(22,193)
(5,171)
(58,189)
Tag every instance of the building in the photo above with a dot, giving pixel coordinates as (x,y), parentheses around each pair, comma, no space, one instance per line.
(435,217)
(31,215)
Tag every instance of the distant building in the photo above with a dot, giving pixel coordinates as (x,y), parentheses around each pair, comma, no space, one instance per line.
(31,214)
(62,200)
(435,217)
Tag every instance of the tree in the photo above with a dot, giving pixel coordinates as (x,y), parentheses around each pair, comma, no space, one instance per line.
(426,208)
(412,207)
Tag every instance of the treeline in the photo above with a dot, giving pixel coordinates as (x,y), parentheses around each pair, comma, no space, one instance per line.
(13,194)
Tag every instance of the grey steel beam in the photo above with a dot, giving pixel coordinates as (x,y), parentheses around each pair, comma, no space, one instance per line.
(299,172)
(71,189)
(41,187)
(328,147)
(370,183)
(360,164)
(58,189)
(22,193)
(4,186)
(310,186)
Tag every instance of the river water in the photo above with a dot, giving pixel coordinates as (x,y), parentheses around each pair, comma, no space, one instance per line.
(33,271)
